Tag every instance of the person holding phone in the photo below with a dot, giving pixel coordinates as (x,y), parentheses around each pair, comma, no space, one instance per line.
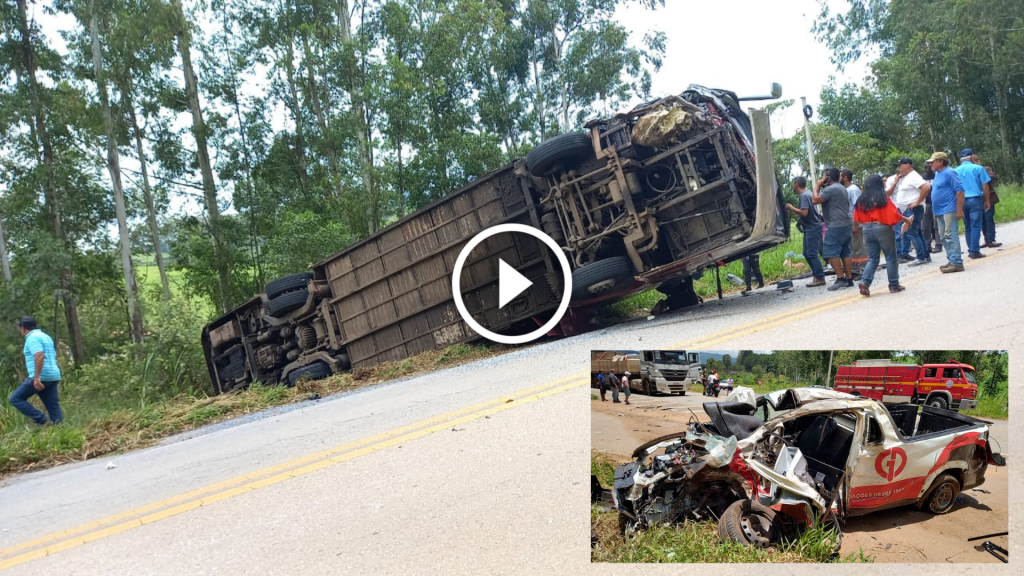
(835,207)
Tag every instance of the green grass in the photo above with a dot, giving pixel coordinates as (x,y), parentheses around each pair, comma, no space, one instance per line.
(696,541)
(100,420)
(1011,203)
(603,468)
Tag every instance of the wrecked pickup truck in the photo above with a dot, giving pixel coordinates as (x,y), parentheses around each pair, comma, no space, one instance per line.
(768,466)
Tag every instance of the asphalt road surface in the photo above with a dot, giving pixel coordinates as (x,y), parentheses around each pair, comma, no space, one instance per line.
(477,469)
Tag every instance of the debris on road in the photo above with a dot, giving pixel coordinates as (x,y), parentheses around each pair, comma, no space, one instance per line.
(111,465)
(992,549)
(982,490)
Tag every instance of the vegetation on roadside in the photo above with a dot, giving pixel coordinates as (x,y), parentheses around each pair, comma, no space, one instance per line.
(107,414)
(696,541)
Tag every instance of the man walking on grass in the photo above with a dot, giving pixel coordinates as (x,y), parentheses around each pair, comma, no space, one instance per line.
(908,192)
(835,207)
(977,200)
(43,375)
(948,205)
(810,224)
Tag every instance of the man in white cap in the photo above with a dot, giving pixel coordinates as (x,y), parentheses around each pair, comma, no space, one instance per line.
(625,386)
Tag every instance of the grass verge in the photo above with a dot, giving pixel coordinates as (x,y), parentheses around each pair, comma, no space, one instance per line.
(695,541)
(111,428)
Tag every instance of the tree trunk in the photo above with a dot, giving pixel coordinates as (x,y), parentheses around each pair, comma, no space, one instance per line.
(321,119)
(199,132)
(300,138)
(50,191)
(250,184)
(147,193)
(1004,126)
(539,86)
(4,261)
(114,168)
(562,84)
(353,85)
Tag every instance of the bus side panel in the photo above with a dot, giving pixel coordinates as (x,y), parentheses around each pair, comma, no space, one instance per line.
(392,292)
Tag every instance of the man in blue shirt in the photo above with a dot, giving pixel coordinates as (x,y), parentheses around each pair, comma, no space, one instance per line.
(977,200)
(602,385)
(43,375)
(948,206)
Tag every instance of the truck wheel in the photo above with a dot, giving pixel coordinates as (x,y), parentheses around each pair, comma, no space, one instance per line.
(938,402)
(943,495)
(287,283)
(314,371)
(601,277)
(287,302)
(647,387)
(561,152)
(750,523)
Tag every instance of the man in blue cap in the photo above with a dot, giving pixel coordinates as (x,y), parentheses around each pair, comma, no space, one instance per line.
(977,199)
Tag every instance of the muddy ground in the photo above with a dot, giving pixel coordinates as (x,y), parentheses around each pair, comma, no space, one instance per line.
(897,535)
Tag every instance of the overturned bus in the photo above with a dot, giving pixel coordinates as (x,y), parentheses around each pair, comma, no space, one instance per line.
(648,198)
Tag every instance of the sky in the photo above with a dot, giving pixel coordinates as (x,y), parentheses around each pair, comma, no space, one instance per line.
(744,46)
(739,45)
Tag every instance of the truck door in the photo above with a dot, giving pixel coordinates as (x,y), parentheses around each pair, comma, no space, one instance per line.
(930,378)
(879,462)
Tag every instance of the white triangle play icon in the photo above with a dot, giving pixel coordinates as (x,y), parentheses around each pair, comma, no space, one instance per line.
(510,283)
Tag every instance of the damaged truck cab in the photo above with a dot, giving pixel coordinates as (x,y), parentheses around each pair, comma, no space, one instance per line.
(764,466)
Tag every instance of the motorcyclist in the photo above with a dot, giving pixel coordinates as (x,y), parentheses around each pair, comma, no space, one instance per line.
(712,389)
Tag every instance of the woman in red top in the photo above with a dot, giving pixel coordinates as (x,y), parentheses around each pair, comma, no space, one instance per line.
(877,215)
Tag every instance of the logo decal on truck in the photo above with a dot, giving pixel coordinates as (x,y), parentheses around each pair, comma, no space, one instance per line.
(949,383)
(890,463)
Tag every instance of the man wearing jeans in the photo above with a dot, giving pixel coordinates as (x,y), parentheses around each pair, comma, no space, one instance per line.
(43,375)
(977,200)
(990,214)
(948,205)
(810,224)
(908,192)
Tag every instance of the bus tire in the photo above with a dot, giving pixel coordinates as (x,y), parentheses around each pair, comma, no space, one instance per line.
(565,152)
(287,283)
(287,302)
(315,371)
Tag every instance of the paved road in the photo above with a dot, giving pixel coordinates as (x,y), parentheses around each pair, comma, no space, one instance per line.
(476,469)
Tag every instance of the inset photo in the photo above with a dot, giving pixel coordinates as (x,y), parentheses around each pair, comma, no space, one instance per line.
(799,456)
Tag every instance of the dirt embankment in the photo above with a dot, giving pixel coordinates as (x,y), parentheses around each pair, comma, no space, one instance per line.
(898,535)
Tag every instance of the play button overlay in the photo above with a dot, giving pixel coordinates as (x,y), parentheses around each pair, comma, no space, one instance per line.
(512,283)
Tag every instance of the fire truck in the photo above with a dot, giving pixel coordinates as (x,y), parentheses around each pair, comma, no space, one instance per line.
(948,385)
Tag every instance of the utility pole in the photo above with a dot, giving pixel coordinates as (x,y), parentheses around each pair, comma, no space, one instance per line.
(807,132)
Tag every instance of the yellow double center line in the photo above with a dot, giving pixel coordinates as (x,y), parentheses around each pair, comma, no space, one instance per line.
(173,506)
(99,529)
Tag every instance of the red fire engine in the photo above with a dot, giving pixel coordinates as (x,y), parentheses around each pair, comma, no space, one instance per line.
(949,385)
